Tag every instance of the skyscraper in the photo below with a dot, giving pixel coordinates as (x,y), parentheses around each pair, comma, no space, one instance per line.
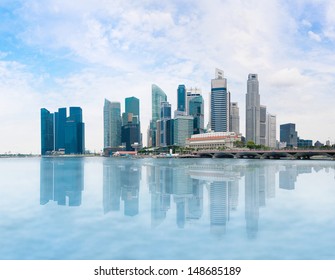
(288,134)
(47,132)
(181,98)
(112,124)
(162,124)
(234,118)
(253,110)
(196,109)
(219,103)
(271,131)
(62,136)
(262,123)
(133,106)
(60,121)
(182,129)
(75,132)
(131,125)
(157,95)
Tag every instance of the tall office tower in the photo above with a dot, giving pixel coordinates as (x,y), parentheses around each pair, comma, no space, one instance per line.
(158,96)
(190,94)
(60,121)
(253,110)
(47,132)
(75,132)
(234,117)
(60,135)
(262,123)
(219,103)
(182,129)
(131,125)
(271,134)
(133,106)
(162,127)
(112,124)
(130,134)
(181,98)
(288,134)
(196,109)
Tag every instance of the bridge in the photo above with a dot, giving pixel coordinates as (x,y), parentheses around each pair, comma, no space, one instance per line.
(266,154)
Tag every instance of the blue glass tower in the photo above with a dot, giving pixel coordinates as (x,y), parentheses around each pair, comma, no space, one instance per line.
(158,96)
(219,103)
(133,106)
(74,132)
(60,120)
(181,98)
(196,109)
(47,132)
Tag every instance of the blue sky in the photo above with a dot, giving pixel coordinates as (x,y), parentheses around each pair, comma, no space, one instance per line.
(60,53)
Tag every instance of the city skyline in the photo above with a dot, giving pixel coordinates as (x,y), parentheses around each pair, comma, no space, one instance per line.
(57,54)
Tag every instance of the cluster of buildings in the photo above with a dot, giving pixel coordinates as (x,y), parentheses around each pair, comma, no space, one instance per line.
(62,134)
(183,127)
(122,132)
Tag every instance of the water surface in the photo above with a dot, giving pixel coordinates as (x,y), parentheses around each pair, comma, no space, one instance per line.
(109,208)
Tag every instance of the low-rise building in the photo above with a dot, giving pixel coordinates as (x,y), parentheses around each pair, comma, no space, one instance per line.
(213,140)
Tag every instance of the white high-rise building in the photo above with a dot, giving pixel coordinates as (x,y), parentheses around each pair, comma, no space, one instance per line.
(234,118)
(262,123)
(253,110)
(271,131)
(220,103)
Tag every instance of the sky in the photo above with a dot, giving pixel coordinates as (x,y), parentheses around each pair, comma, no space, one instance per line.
(57,53)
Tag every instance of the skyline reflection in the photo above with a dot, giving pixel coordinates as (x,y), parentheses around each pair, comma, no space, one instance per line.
(209,193)
(61,180)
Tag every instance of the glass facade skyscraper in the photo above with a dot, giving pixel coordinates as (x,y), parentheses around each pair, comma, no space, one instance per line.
(60,121)
(75,132)
(181,98)
(196,109)
(112,124)
(158,96)
(162,124)
(220,100)
(133,106)
(47,132)
(288,134)
(131,125)
(182,129)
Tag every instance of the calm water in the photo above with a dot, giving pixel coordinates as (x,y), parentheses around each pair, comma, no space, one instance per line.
(105,208)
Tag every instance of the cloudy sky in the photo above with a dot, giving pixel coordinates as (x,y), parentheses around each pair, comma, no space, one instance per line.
(57,53)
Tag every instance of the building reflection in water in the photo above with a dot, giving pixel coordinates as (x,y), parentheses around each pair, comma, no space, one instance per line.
(168,182)
(61,180)
(288,175)
(183,188)
(121,182)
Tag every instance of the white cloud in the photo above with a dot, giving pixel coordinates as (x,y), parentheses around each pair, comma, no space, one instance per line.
(306,23)
(288,77)
(314,36)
